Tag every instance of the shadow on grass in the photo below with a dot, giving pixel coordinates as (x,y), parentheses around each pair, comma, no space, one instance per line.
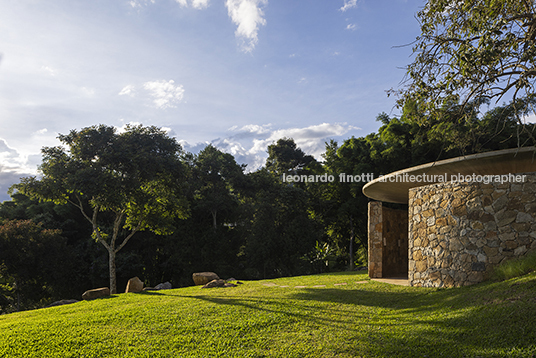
(150,293)
(487,320)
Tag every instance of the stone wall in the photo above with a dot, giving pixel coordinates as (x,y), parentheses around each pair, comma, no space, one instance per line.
(388,241)
(459,231)
(375,239)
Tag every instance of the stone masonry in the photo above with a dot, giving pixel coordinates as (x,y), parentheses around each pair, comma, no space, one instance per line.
(458,231)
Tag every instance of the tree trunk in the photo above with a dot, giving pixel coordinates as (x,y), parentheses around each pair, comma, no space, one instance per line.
(214,212)
(113,283)
(351,244)
(18,294)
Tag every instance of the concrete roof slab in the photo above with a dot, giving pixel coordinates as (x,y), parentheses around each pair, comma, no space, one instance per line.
(394,187)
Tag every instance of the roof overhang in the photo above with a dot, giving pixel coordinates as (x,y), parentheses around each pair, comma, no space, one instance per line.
(394,187)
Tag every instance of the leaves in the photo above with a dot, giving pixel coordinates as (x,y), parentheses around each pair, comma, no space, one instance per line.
(471,50)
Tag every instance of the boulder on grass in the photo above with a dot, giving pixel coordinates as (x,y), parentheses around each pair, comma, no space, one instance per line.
(202,278)
(164,286)
(96,293)
(134,285)
(215,283)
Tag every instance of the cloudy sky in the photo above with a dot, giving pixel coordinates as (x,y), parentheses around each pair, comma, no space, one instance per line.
(236,73)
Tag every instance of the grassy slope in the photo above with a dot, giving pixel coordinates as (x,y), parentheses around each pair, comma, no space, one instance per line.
(253,320)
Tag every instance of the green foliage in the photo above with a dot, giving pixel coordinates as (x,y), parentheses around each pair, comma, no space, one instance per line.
(33,263)
(471,50)
(369,319)
(217,182)
(285,156)
(135,178)
(279,231)
(515,268)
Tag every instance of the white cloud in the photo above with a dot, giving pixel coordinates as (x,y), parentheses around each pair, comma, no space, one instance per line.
(41,131)
(351,27)
(348,4)
(196,4)
(248,16)
(127,91)
(530,119)
(139,3)
(252,128)
(123,128)
(49,70)
(89,92)
(249,144)
(11,161)
(200,4)
(309,139)
(165,93)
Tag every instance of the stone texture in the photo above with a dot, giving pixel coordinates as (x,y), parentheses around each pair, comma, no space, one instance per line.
(163,286)
(134,285)
(215,283)
(202,278)
(96,293)
(485,225)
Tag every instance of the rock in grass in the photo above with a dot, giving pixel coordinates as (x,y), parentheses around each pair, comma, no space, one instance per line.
(134,285)
(61,303)
(164,286)
(215,283)
(96,293)
(202,278)
(228,284)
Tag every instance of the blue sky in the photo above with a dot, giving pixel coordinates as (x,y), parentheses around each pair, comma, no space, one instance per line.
(236,73)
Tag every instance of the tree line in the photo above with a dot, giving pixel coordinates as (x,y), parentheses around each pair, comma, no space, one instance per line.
(110,206)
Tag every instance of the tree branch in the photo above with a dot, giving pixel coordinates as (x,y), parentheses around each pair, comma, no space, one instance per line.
(129,236)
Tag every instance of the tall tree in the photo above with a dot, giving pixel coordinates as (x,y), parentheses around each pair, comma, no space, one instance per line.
(218,177)
(285,156)
(470,50)
(130,180)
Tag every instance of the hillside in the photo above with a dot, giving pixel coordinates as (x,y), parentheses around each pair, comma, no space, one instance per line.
(346,318)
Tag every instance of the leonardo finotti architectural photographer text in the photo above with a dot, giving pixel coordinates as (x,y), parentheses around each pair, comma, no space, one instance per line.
(405,178)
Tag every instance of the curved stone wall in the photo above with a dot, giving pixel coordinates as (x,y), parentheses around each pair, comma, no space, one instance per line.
(458,231)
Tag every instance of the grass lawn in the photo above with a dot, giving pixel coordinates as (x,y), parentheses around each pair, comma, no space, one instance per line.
(371,319)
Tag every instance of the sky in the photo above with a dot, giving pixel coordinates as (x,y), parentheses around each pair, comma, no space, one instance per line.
(239,74)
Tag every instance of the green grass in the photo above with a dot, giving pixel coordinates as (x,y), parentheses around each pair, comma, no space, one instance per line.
(372,319)
(516,267)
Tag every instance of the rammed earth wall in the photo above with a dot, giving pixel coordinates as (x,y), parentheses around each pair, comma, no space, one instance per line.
(459,231)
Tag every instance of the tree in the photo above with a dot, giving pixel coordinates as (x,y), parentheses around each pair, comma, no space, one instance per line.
(130,180)
(285,156)
(34,263)
(470,50)
(218,176)
(279,229)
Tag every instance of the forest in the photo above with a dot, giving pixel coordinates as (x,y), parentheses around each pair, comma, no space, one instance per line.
(108,201)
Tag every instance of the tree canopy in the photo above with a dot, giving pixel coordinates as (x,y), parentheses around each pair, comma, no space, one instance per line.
(472,50)
(128,180)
